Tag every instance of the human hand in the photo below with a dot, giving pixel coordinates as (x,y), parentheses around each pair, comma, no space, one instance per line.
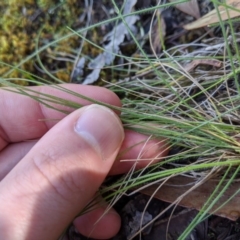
(50,170)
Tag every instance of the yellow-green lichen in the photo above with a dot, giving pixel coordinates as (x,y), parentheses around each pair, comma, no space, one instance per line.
(20,23)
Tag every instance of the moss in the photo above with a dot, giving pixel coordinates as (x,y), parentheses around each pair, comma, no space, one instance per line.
(20,23)
(63,75)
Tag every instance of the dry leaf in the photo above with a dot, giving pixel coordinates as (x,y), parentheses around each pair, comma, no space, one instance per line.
(193,64)
(113,41)
(191,8)
(128,5)
(212,17)
(158,33)
(177,186)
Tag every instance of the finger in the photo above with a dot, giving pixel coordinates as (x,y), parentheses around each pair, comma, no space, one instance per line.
(59,175)
(12,154)
(139,150)
(135,148)
(101,222)
(22,114)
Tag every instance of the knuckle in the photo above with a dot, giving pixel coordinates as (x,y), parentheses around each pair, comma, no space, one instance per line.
(59,172)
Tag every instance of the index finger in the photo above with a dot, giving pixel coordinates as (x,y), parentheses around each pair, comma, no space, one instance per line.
(20,114)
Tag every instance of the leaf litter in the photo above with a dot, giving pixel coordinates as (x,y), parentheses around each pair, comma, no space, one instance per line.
(113,39)
(173,189)
(190,7)
(231,10)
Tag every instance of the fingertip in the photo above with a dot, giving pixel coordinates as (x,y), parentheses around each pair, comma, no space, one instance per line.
(98,223)
(141,148)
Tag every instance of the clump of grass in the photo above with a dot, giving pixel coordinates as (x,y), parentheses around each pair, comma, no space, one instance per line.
(189,94)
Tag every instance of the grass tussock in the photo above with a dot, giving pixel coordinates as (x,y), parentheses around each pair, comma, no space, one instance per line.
(189,94)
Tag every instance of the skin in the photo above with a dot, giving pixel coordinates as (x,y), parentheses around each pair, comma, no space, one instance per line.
(50,170)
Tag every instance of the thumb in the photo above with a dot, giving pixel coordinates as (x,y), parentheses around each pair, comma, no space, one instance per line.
(60,174)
